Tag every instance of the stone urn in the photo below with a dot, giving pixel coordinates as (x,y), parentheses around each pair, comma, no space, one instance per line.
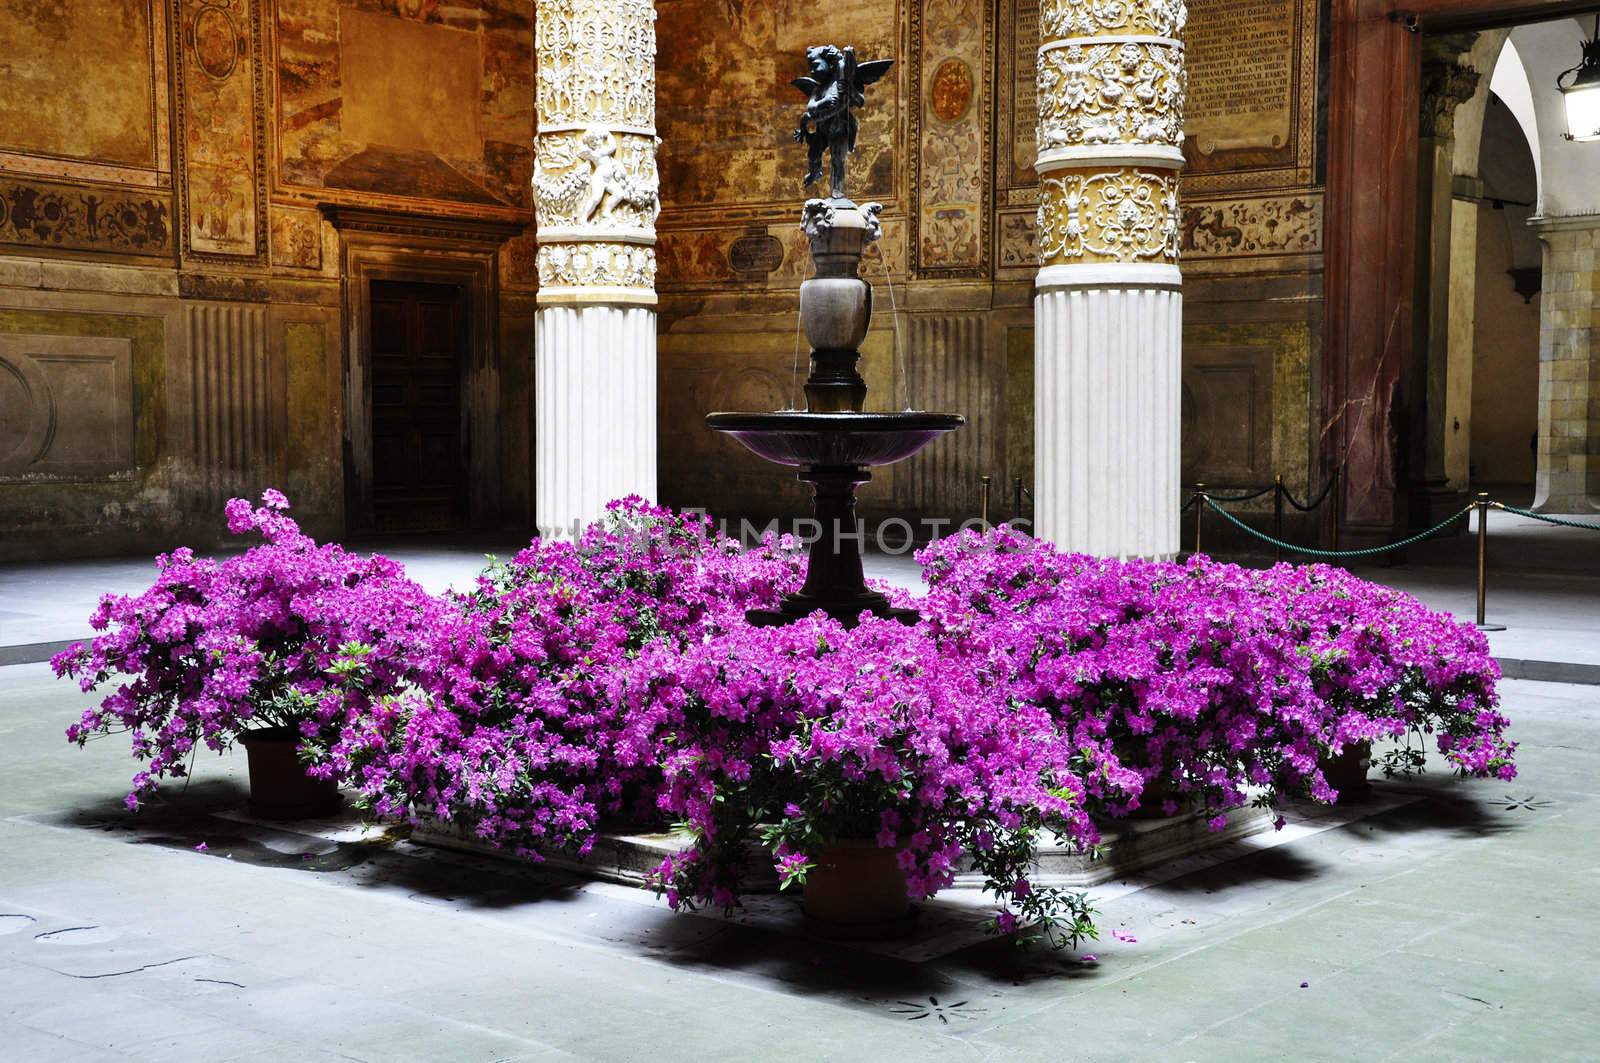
(279,785)
(857,889)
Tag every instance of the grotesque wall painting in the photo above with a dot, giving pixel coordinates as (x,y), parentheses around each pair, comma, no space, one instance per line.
(219,86)
(951,127)
(407,98)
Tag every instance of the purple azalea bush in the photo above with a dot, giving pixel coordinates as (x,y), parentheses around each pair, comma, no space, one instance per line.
(513,726)
(1211,683)
(613,681)
(811,733)
(251,642)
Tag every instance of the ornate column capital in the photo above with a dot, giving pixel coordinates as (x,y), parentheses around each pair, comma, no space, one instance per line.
(595,183)
(1445,86)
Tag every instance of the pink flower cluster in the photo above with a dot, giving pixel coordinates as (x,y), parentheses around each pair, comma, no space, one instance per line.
(515,720)
(1213,683)
(214,648)
(615,679)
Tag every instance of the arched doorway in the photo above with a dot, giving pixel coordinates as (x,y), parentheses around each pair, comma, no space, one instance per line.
(1505,355)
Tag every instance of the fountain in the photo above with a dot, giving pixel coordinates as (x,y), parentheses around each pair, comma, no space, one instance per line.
(832,442)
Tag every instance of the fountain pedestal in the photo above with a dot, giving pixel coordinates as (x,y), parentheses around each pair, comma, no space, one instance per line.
(832,442)
(835,580)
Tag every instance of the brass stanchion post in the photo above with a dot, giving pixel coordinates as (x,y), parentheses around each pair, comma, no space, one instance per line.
(1277,516)
(1483,563)
(1199,513)
(983,509)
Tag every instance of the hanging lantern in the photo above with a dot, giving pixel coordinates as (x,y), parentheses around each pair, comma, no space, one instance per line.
(1582,93)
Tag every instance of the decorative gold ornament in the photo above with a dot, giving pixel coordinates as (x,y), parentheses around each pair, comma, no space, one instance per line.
(596,186)
(1111,93)
(1111,85)
(1127,216)
(1060,19)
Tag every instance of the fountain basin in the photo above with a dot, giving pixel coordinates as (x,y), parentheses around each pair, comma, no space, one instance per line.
(807,440)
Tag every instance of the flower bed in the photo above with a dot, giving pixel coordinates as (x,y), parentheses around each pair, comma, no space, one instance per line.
(615,678)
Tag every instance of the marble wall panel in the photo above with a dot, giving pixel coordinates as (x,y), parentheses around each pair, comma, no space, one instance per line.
(66,407)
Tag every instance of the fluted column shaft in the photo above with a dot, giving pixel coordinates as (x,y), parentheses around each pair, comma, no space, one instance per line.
(596,195)
(1108,343)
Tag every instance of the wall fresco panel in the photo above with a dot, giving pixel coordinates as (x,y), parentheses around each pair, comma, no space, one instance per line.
(725,107)
(951,42)
(107,110)
(220,140)
(357,124)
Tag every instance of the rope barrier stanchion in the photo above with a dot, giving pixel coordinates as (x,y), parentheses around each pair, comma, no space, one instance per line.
(1482,506)
(1242,498)
(1311,505)
(1278,492)
(1200,513)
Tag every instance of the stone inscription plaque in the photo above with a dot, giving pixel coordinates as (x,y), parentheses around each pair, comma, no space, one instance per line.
(1242,57)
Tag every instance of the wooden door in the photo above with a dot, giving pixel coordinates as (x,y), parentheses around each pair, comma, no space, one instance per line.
(419,467)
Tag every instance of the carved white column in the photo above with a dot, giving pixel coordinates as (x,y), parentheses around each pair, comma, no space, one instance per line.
(596,193)
(1108,308)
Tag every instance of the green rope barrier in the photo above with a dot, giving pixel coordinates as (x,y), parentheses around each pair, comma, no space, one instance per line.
(1548,520)
(1369,552)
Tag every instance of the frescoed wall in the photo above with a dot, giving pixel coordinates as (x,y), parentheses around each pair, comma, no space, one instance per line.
(172,322)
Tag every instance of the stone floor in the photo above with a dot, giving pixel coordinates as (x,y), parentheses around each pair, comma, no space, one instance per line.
(1443,919)
(1449,920)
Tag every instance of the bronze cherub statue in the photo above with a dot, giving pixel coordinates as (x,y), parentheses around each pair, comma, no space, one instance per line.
(836,87)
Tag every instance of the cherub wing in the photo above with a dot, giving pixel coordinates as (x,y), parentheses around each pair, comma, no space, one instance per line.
(805,85)
(872,70)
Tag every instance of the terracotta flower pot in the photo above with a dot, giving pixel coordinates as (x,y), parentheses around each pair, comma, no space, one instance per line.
(1347,772)
(279,785)
(857,886)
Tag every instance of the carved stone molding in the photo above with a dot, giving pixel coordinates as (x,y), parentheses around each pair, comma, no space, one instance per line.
(1445,86)
(486,233)
(1096,18)
(596,186)
(1121,216)
(1111,93)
